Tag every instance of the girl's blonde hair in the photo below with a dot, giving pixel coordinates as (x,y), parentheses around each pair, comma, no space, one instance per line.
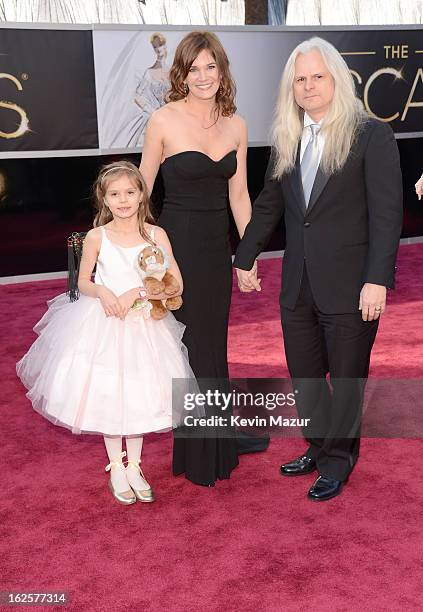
(345,116)
(110,173)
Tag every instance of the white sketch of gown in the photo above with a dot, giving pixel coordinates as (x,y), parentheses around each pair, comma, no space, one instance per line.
(121,121)
(152,93)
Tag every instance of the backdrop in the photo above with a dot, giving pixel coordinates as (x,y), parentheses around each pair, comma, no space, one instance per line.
(72,99)
(91,91)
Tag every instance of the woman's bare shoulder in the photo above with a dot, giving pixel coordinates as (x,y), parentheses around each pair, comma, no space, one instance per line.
(238,122)
(166,112)
(237,127)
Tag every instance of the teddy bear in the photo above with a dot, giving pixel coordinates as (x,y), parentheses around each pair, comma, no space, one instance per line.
(153,265)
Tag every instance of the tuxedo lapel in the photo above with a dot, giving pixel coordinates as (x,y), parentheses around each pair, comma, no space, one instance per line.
(318,186)
(294,179)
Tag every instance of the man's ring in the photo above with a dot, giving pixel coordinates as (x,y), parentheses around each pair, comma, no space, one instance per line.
(378,309)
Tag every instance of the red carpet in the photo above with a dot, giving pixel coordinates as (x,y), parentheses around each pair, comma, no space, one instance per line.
(251,543)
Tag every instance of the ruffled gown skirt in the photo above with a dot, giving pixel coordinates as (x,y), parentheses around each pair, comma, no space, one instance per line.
(97,374)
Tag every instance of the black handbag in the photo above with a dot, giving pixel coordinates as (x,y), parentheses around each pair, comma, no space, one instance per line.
(75,244)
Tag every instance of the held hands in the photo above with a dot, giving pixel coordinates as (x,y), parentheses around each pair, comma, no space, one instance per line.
(247,279)
(372,301)
(419,187)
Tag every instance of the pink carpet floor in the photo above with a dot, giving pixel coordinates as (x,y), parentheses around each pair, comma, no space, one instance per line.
(251,543)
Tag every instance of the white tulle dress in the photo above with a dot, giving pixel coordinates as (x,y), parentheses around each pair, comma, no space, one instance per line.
(97,374)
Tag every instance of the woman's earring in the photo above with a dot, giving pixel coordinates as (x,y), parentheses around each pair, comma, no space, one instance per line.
(220,91)
(186,92)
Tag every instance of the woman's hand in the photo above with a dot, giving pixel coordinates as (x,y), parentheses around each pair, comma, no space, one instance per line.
(127,300)
(247,279)
(111,304)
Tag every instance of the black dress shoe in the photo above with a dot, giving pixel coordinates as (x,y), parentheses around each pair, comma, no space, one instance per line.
(298,467)
(325,488)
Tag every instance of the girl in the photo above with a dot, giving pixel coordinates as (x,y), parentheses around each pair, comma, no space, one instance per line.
(98,366)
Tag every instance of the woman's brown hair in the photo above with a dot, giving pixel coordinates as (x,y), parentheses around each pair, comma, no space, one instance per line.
(110,173)
(186,52)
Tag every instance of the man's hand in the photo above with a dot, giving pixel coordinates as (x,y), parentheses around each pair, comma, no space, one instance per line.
(419,187)
(372,301)
(247,279)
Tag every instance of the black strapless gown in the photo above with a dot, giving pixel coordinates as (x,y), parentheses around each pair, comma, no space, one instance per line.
(195,217)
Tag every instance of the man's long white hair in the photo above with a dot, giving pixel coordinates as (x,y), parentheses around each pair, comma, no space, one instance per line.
(344,117)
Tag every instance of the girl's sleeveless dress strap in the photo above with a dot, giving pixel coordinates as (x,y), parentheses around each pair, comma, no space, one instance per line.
(152,232)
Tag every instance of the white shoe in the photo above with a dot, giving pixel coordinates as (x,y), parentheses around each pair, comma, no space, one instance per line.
(136,479)
(117,470)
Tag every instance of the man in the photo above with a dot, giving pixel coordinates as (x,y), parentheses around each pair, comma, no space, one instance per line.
(334,175)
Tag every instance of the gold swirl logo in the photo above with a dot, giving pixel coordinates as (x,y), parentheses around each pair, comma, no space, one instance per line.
(23,126)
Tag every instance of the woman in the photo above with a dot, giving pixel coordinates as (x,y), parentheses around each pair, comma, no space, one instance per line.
(201,146)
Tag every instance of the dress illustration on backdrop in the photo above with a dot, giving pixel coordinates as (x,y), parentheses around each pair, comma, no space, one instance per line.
(149,96)
(128,105)
(151,91)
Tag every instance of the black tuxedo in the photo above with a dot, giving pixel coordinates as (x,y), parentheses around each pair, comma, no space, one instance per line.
(347,236)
